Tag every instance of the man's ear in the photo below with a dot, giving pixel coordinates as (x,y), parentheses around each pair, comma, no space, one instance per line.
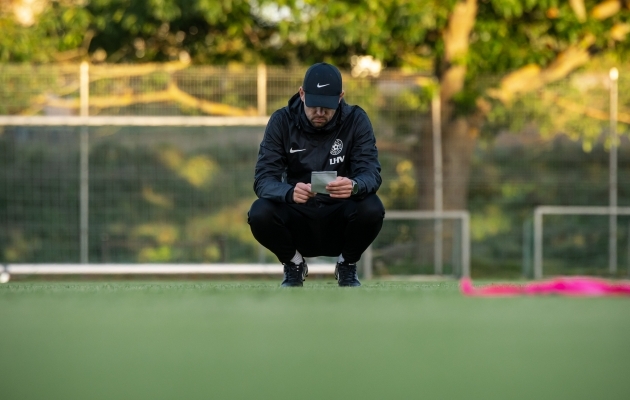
(301,91)
(340,96)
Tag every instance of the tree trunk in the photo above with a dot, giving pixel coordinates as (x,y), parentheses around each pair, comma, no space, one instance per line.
(459,137)
(458,143)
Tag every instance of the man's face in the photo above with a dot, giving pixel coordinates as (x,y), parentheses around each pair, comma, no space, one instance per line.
(319,116)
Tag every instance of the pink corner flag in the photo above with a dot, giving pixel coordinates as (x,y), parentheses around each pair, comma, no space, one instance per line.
(563,286)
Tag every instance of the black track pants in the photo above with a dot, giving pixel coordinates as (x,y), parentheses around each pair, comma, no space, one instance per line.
(346,227)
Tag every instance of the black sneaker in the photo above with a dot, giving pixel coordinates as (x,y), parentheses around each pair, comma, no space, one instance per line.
(294,274)
(346,274)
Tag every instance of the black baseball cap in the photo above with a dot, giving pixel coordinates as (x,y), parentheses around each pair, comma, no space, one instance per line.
(322,85)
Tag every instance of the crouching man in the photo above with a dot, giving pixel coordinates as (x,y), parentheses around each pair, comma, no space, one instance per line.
(317,132)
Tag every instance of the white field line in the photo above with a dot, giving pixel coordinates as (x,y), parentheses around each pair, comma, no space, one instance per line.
(155,269)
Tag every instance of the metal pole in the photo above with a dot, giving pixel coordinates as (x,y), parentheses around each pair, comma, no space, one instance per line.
(527,248)
(456,259)
(437,181)
(538,244)
(261,254)
(262,89)
(612,240)
(367,264)
(84,93)
(466,245)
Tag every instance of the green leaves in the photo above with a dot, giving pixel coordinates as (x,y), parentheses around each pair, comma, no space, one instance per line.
(164,10)
(58,28)
(507,34)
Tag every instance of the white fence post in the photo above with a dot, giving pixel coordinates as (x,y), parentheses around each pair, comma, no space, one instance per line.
(465,244)
(527,248)
(538,243)
(368,268)
(612,239)
(437,181)
(84,184)
(262,89)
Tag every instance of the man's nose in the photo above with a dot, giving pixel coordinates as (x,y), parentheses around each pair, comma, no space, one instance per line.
(319,110)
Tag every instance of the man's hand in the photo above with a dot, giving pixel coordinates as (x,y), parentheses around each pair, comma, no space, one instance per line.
(302,192)
(341,188)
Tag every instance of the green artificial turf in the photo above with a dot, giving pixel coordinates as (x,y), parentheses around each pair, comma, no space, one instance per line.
(253,340)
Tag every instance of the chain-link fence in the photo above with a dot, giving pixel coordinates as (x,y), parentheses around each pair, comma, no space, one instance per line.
(181,194)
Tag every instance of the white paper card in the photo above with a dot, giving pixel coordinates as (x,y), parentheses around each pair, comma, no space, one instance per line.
(319,180)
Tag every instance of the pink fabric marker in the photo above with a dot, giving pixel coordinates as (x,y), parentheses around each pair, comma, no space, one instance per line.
(563,286)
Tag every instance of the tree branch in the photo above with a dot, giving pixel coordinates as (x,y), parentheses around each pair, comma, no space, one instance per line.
(588,111)
(531,77)
(172,93)
(579,9)
(126,70)
(393,147)
(456,41)
(606,9)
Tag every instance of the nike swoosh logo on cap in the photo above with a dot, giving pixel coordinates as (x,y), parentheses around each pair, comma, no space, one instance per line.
(295,151)
(318,85)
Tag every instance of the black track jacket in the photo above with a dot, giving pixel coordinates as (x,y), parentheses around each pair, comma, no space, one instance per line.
(292,148)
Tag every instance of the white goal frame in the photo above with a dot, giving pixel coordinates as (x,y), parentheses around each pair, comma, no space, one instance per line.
(462,215)
(540,211)
(241,269)
(84,121)
(158,269)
